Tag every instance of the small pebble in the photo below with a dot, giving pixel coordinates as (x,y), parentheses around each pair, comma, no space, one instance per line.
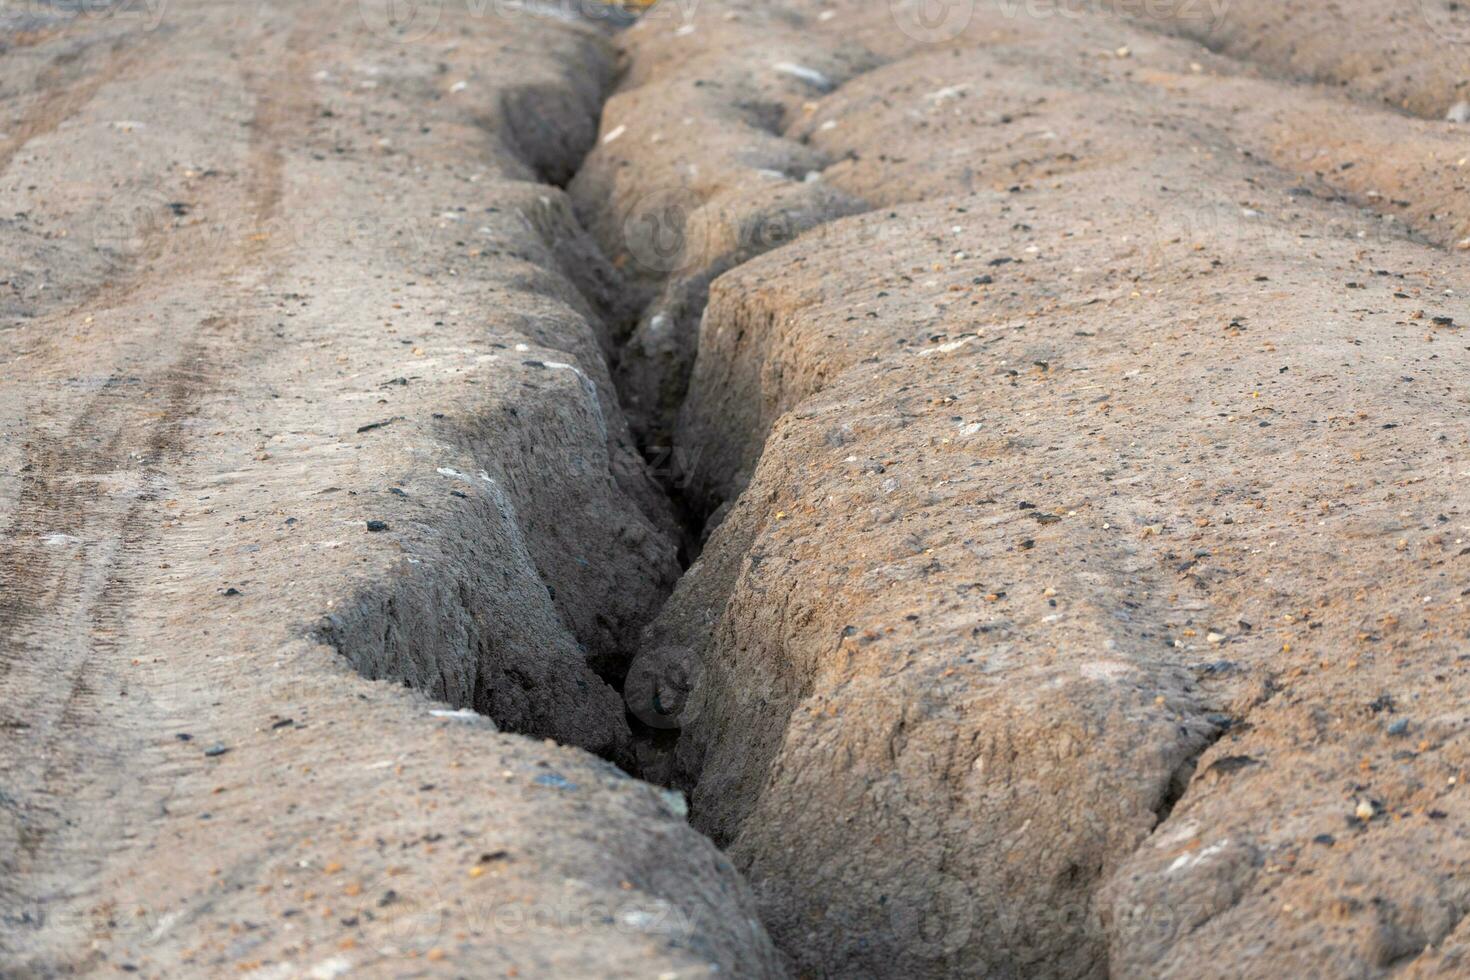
(555,781)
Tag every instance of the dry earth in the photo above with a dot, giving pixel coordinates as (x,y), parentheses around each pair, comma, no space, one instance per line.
(1002,463)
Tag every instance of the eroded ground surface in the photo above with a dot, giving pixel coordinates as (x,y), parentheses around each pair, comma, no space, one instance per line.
(1002,463)
(304,372)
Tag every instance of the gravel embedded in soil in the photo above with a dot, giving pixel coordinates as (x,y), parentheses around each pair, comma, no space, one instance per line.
(997,470)
(1061,412)
(208,411)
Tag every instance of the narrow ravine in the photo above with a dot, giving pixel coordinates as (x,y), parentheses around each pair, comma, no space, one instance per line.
(313,470)
(971,463)
(963,661)
(947,607)
(453,639)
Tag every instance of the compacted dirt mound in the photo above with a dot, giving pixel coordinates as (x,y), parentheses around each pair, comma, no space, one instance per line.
(304,363)
(1081,595)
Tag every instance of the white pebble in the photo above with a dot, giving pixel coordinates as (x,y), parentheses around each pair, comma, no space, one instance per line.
(811,76)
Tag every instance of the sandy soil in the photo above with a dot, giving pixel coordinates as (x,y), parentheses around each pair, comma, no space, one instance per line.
(299,378)
(786,488)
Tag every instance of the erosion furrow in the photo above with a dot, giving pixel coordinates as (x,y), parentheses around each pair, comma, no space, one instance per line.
(407,453)
(1059,412)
